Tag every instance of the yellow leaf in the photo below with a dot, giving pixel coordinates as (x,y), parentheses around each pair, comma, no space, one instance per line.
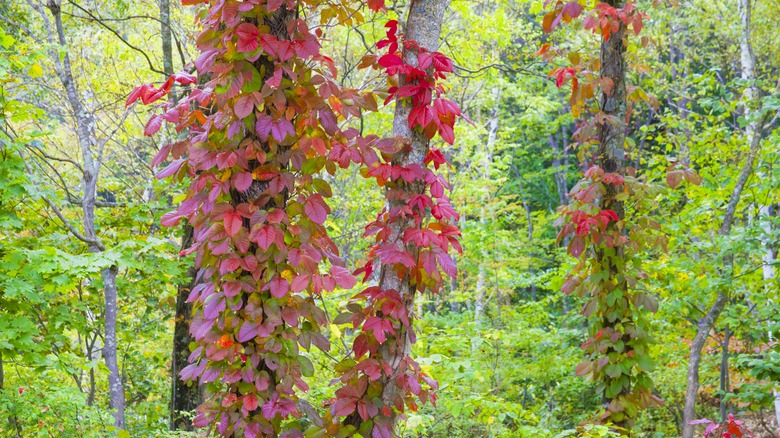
(36,71)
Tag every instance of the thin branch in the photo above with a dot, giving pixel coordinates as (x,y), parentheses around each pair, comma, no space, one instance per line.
(127,43)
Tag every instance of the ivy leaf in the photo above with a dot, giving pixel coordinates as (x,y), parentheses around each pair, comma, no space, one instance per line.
(248,37)
(265,237)
(278,287)
(233,223)
(243,106)
(250,402)
(153,125)
(343,277)
(316,209)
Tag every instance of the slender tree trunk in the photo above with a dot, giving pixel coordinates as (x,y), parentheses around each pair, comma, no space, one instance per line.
(165,35)
(724,373)
(479,303)
(753,134)
(768,259)
(560,170)
(423,25)
(91,152)
(611,158)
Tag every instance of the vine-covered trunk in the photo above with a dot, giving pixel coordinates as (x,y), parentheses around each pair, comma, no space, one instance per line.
(753,135)
(185,396)
(423,25)
(611,159)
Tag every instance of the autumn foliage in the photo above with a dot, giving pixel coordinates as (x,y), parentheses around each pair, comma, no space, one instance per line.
(265,122)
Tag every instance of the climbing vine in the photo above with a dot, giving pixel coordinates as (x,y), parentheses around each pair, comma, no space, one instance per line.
(608,224)
(264,123)
(413,236)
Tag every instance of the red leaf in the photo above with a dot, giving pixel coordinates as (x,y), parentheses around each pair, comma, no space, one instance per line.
(343,277)
(376,5)
(171,169)
(242,181)
(576,246)
(279,287)
(248,37)
(243,106)
(153,125)
(250,402)
(343,407)
(232,222)
(265,237)
(316,209)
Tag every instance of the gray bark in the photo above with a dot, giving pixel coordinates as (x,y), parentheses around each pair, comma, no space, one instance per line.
(165,34)
(765,215)
(753,134)
(724,373)
(479,302)
(92,154)
(423,25)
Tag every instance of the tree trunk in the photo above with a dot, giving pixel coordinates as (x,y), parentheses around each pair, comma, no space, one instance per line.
(768,258)
(753,134)
(479,303)
(560,170)
(724,373)
(90,147)
(185,397)
(165,35)
(423,25)
(611,158)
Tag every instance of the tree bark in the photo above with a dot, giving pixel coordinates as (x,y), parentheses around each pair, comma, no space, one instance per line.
(165,35)
(423,25)
(479,302)
(768,259)
(724,373)
(753,134)
(92,154)
(185,397)
(611,159)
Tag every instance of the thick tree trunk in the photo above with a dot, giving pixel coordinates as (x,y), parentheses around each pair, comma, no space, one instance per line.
(753,134)
(611,158)
(185,397)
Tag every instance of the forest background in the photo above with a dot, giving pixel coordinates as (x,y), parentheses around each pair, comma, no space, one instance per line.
(501,338)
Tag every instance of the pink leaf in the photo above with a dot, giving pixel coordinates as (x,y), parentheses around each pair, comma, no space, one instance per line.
(250,402)
(233,223)
(248,37)
(316,209)
(243,106)
(242,181)
(153,125)
(171,169)
(279,287)
(343,277)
